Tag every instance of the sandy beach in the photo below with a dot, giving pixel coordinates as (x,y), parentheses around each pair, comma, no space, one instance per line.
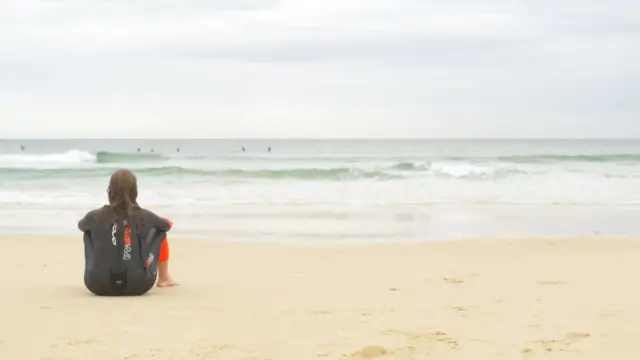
(482,299)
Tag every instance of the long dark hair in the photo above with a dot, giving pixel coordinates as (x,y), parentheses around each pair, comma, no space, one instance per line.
(123,195)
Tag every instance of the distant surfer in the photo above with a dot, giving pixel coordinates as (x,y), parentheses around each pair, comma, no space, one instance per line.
(244,149)
(269,149)
(178,150)
(138,149)
(153,150)
(21,147)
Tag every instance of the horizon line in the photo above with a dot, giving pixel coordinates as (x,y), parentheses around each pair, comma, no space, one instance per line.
(334,139)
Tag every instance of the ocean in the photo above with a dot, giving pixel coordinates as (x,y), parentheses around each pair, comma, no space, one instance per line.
(333,190)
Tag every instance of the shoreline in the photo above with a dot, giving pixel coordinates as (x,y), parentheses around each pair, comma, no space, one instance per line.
(430,224)
(562,298)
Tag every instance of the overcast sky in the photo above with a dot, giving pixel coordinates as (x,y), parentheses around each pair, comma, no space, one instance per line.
(319,68)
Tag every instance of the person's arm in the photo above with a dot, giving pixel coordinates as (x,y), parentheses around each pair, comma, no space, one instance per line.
(85,223)
(160,223)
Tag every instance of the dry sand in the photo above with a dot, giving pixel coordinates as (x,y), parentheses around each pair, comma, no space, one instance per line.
(472,300)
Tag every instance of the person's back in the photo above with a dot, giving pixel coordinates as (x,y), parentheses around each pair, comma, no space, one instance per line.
(123,242)
(121,254)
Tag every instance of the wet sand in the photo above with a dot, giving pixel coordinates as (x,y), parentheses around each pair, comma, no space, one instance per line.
(481,299)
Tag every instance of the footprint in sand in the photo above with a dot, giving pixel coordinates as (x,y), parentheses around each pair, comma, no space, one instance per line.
(548,345)
(440,336)
(564,343)
(429,339)
(576,335)
(453,280)
(370,352)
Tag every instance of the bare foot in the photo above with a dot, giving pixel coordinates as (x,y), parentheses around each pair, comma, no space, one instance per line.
(166,282)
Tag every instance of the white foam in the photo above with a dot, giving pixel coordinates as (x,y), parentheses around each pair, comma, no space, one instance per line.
(71,157)
(461,170)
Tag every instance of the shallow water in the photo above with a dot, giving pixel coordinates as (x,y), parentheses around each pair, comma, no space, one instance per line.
(339,190)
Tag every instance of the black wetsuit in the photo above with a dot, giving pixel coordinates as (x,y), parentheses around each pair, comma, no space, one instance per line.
(121,257)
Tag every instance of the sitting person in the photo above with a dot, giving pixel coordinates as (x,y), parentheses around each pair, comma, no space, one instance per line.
(126,248)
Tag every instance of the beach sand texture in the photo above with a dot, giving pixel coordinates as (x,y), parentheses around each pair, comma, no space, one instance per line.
(484,299)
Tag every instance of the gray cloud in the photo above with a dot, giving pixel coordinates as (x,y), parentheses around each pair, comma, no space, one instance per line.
(331,68)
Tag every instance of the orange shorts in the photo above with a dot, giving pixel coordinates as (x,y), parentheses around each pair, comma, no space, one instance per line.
(164,248)
(164,251)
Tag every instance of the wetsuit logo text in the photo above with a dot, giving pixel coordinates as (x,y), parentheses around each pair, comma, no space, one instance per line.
(127,243)
(114,229)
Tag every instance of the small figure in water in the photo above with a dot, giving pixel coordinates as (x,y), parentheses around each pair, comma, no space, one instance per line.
(21,147)
(153,150)
(243,149)
(138,149)
(269,149)
(178,150)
